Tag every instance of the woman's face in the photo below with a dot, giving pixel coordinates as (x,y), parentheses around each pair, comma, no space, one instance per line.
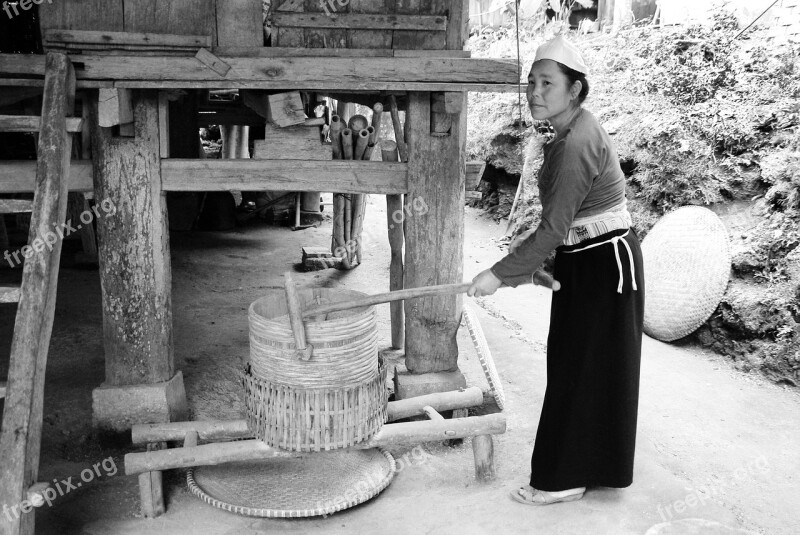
(549,93)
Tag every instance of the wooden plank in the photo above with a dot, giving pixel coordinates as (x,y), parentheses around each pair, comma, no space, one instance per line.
(9,294)
(370,38)
(114,107)
(291,143)
(299,70)
(361,21)
(32,123)
(474,173)
(409,39)
(102,15)
(110,39)
(3,386)
(19,176)
(239,23)
(436,184)
(283,175)
(457,24)
(316,36)
(15,206)
(353,52)
(133,250)
(20,440)
(286,109)
(181,17)
(214,63)
(163,124)
(390,435)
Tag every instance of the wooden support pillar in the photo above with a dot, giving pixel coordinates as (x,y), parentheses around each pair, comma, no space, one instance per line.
(434,223)
(135,275)
(434,234)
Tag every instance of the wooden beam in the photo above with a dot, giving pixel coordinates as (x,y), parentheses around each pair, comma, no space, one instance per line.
(235,429)
(15,206)
(114,107)
(360,21)
(284,175)
(9,294)
(357,52)
(20,440)
(297,70)
(320,85)
(390,435)
(19,176)
(32,123)
(112,39)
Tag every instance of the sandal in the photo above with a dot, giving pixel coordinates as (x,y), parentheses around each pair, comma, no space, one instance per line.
(531,496)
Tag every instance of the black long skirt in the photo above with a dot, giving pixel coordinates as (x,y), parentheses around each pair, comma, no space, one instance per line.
(587,429)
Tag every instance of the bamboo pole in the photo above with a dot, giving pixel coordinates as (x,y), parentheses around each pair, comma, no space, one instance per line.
(347,144)
(361,144)
(336,137)
(398,130)
(394,223)
(360,209)
(295,318)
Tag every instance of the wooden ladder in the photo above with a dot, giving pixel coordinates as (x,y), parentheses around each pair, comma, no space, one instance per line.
(20,439)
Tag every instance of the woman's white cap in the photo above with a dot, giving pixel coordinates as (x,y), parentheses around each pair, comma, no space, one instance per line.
(560,50)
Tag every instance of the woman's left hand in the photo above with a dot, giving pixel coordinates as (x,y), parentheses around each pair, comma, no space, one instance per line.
(485,283)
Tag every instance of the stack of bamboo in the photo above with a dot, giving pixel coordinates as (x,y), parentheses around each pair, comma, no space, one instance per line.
(348,209)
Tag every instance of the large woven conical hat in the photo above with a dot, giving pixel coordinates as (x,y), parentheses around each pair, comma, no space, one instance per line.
(687,264)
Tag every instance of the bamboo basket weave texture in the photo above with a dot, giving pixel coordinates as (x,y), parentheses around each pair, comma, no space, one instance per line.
(345,343)
(298,419)
(335,399)
(687,263)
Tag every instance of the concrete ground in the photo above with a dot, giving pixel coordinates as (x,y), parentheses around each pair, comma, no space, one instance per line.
(714,445)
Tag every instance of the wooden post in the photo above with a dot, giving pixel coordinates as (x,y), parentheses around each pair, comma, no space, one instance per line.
(483,450)
(434,222)
(151,487)
(20,440)
(394,223)
(135,272)
(434,233)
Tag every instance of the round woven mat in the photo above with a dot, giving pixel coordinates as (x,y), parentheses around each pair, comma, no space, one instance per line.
(485,356)
(687,263)
(293,487)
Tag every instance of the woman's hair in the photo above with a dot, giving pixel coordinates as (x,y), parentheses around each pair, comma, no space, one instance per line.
(575,76)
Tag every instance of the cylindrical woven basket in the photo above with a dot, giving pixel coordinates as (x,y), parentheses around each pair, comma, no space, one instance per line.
(313,419)
(345,343)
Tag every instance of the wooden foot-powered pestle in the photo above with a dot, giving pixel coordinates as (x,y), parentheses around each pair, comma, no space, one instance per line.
(297,314)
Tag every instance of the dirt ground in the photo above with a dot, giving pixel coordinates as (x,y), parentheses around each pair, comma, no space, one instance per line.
(714,445)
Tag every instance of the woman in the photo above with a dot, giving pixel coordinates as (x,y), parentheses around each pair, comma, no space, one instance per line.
(587,429)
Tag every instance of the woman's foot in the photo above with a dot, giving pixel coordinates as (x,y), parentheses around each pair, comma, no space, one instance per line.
(531,496)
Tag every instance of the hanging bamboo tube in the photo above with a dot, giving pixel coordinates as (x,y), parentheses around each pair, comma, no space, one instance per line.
(377,112)
(347,144)
(398,130)
(394,222)
(361,144)
(336,137)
